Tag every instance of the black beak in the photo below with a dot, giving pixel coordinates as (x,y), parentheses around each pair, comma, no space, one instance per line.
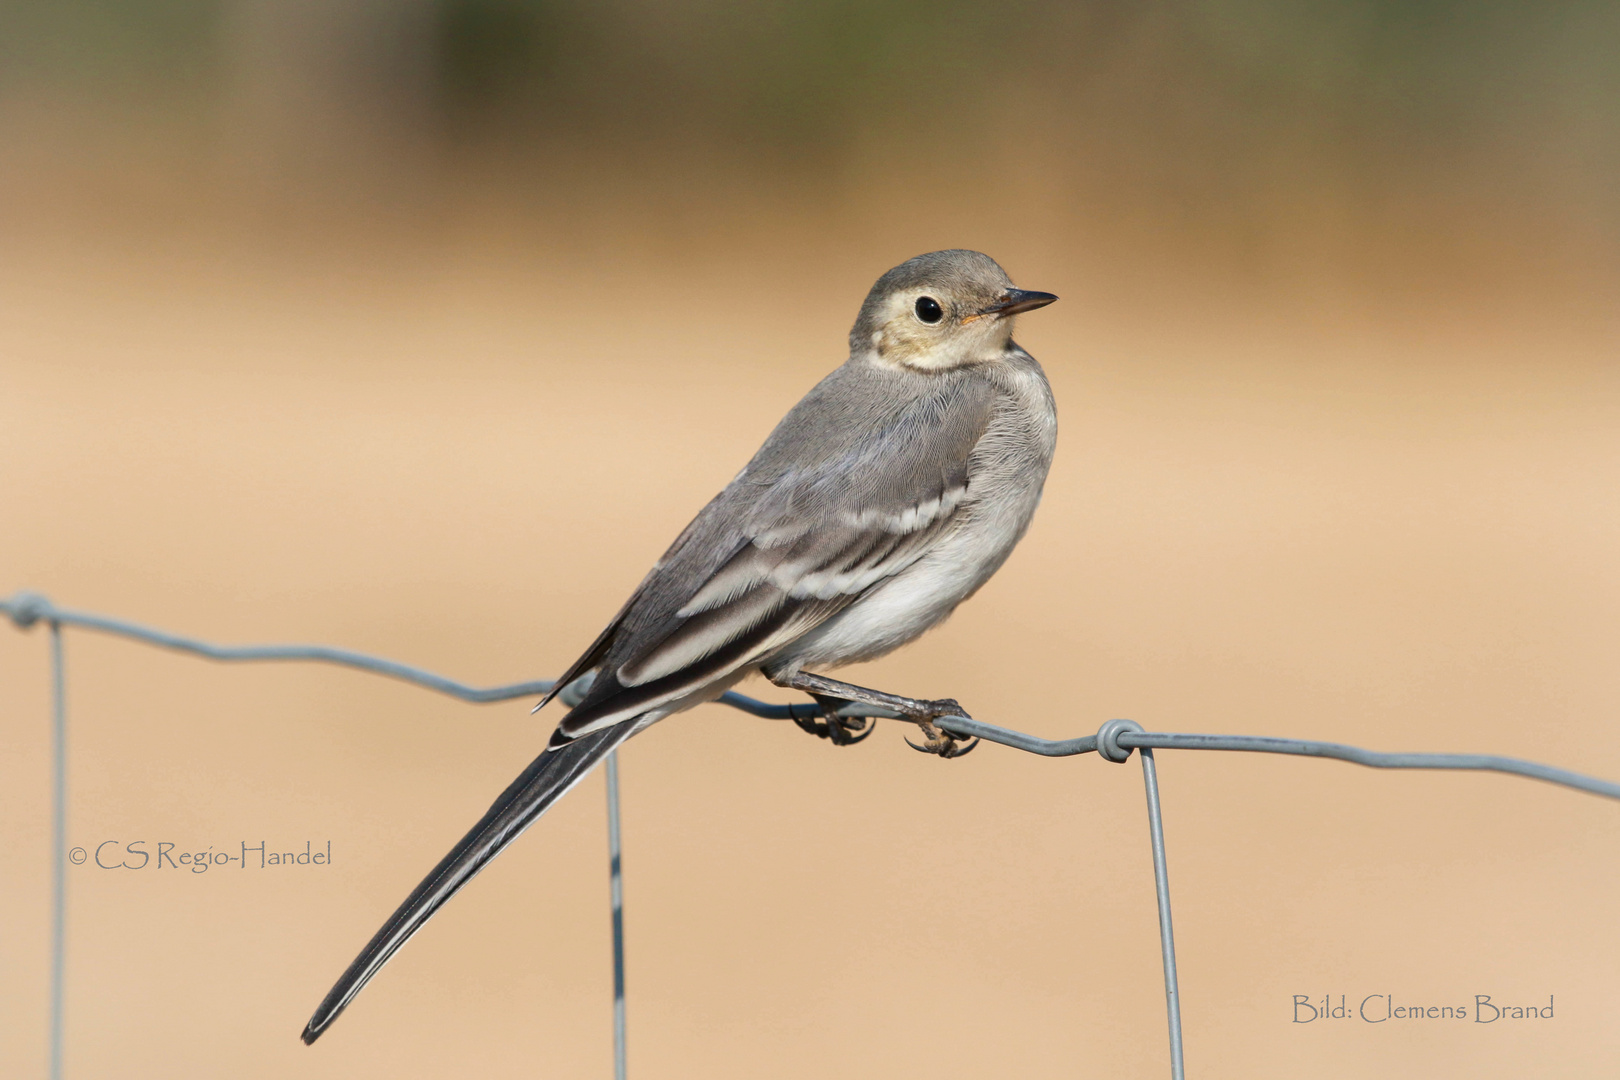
(1017,300)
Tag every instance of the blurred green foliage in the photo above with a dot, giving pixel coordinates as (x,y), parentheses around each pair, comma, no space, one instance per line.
(794,74)
(783,73)
(93,42)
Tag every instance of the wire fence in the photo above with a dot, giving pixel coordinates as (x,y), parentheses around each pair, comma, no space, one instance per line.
(1114,741)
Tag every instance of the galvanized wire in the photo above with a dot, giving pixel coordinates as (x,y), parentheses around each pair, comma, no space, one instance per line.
(26,608)
(1114,741)
(1261,744)
(60,846)
(616,900)
(1167,933)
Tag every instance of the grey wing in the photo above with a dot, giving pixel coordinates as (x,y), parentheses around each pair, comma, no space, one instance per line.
(858,482)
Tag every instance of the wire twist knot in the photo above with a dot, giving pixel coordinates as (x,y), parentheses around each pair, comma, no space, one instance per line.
(1108,747)
(26,608)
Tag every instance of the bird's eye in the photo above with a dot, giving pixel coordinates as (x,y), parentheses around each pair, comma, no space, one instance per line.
(928,310)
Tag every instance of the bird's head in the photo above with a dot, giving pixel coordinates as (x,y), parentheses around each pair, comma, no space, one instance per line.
(940,311)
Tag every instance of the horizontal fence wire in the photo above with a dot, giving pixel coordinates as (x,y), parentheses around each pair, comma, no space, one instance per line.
(25,609)
(1114,741)
(1261,744)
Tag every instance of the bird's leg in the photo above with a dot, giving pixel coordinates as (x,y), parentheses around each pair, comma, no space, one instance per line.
(920,711)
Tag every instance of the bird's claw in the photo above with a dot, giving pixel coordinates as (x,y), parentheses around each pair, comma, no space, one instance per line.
(942,742)
(839,730)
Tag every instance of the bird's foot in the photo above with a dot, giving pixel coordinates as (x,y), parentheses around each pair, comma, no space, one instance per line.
(830,694)
(937,740)
(839,730)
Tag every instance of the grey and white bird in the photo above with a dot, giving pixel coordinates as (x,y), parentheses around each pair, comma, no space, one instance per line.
(883,499)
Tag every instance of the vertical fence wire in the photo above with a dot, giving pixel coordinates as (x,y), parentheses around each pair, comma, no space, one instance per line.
(616,879)
(58,849)
(1167,934)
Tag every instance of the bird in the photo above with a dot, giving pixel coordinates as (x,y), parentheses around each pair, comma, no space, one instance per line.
(887,496)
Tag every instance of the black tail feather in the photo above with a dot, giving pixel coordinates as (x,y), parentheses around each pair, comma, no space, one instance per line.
(540,785)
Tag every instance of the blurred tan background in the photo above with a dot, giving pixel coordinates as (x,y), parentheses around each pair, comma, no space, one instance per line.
(422,327)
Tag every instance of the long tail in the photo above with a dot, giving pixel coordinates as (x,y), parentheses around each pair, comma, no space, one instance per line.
(519,806)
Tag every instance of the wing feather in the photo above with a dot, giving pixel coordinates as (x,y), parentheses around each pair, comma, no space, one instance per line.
(700,635)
